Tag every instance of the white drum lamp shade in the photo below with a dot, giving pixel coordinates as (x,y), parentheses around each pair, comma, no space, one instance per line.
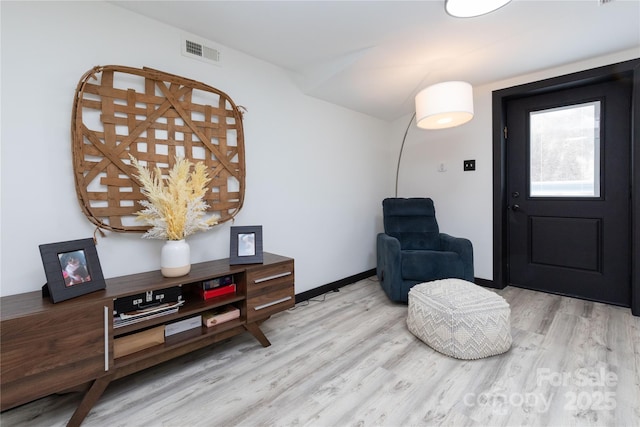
(471,8)
(444,105)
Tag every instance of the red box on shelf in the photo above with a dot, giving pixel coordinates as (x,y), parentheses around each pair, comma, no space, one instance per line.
(217,292)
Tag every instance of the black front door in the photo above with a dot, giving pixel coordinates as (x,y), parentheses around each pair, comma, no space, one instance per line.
(568,189)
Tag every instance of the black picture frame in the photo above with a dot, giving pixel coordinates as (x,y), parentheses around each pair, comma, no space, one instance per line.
(72,269)
(246,245)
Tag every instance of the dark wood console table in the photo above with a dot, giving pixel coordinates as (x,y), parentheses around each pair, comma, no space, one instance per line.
(49,348)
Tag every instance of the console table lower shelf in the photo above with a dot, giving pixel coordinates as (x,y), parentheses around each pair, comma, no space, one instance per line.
(51,348)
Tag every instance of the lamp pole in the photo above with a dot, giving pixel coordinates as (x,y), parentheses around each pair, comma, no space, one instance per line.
(401,149)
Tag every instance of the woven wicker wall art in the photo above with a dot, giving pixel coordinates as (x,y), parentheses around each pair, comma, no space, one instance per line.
(120,111)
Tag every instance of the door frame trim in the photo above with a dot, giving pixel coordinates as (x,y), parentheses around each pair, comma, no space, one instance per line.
(628,69)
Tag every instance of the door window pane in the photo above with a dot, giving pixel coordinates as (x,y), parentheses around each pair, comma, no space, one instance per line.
(564,151)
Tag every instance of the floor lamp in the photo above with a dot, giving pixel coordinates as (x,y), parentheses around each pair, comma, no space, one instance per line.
(440,106)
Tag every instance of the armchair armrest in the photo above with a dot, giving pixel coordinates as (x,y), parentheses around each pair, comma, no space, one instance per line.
(389,264)
(462,247)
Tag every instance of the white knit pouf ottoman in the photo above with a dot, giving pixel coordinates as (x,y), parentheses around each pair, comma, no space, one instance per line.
(459,318)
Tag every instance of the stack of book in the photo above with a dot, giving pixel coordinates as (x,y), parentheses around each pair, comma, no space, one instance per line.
(217,287)
(123,319)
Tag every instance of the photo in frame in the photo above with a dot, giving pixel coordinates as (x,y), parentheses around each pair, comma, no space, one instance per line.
(72,269)
(246,245)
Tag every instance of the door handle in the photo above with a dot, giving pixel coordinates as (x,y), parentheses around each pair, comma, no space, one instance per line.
(514,207)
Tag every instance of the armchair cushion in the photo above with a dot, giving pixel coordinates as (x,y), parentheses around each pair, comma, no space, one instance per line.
(436,264)
(412,222)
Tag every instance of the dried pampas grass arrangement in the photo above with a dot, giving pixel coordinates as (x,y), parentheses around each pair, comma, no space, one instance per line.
(174,207)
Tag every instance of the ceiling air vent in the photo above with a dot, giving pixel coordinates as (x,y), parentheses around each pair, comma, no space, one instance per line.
(194,48)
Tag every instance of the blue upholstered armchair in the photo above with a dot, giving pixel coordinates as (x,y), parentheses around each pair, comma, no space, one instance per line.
(412,250)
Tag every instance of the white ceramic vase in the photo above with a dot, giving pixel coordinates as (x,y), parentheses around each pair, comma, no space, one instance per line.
(175,258)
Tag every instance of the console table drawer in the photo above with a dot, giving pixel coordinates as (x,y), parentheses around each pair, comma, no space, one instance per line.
(265,278)
(262,306)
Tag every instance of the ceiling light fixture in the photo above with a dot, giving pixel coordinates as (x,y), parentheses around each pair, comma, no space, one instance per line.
(440,106)
(471,8)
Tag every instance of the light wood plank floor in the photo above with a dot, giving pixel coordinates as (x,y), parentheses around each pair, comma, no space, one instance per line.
(350,361)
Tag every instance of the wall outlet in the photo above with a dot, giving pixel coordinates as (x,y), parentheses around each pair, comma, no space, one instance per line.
(469,165)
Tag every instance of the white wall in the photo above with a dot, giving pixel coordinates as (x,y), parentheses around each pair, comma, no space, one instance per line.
(464,200)
(316,173)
